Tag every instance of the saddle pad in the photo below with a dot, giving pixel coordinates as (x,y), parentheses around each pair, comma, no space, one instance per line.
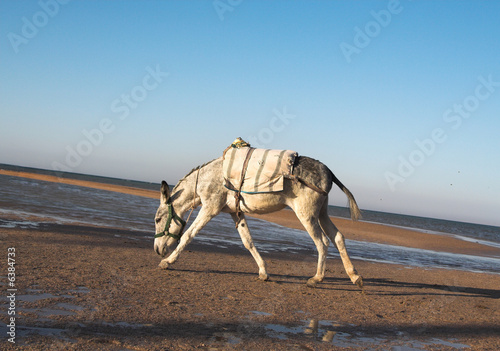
(264,173)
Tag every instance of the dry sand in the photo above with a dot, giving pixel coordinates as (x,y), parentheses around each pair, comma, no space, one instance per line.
(91,288)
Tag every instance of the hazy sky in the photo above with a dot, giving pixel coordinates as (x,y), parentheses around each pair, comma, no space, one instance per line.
(401,99)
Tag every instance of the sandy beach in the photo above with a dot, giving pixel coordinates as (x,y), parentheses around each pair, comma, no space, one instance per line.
(92,288)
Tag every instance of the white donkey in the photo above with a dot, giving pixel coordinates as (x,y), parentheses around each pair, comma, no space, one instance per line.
(306,195)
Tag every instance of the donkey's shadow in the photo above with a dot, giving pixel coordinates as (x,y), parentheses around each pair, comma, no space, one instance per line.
(373,286)
(383,286)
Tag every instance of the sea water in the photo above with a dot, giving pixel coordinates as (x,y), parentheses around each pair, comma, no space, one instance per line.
(26,202)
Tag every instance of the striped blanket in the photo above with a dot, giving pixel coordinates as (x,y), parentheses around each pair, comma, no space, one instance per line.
(263,173)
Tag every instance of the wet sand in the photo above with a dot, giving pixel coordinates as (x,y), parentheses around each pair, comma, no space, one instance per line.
(92,288)
(88,288)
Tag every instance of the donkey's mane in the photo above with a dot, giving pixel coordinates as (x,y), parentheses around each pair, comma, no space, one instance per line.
(191,172)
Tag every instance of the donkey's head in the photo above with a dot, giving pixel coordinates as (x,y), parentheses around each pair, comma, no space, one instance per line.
(169,225)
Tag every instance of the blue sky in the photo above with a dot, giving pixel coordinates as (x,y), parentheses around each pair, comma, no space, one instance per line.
(401,99)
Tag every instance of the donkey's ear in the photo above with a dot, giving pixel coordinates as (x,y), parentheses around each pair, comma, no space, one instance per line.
(164,192)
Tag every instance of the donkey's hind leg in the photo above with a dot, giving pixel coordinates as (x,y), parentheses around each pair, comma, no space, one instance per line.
(310,223)
(338,238)
(246,238)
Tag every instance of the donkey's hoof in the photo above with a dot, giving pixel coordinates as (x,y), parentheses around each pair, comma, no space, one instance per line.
(312,283)
(359,282)
(163,265)
(264,277)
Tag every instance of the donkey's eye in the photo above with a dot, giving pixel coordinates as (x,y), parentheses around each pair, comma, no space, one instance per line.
(157,220)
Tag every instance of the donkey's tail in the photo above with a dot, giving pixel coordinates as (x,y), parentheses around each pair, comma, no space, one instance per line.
(353,206)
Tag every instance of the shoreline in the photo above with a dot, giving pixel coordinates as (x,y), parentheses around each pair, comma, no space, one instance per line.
(359,230)
(83,183)
(390,235)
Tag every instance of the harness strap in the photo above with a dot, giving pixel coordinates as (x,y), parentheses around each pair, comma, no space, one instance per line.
(173,215)
(194,197)
(237,195)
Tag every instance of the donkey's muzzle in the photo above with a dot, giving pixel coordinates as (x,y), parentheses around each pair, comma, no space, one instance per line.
(160,251)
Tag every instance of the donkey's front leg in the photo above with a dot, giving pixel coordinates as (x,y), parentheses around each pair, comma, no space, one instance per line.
(201,220)
(246,238)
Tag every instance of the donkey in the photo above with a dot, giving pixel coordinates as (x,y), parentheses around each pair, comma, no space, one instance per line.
(204,185)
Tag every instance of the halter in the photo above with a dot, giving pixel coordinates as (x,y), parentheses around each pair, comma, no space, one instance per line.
(171,215)
(175,216)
